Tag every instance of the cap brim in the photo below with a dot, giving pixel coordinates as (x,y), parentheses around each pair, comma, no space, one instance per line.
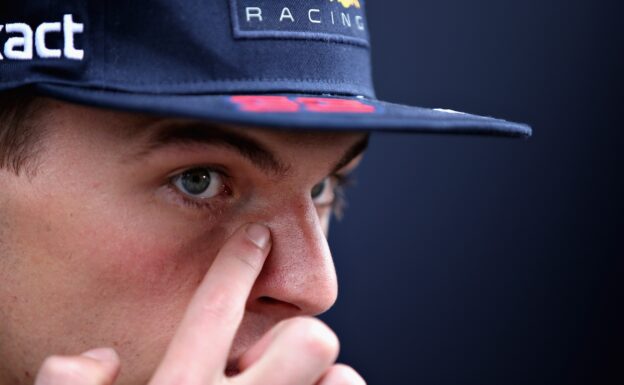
(375,116)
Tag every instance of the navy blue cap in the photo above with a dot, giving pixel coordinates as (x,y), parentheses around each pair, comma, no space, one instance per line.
(266,63)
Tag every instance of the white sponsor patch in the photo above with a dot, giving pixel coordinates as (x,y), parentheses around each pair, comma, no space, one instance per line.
(22,43)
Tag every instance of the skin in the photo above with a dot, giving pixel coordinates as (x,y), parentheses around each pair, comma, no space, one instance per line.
(98,248)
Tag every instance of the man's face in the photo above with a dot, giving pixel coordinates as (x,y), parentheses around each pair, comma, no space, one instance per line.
(105,244)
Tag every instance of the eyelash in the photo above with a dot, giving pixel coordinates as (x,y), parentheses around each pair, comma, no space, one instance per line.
(338,205)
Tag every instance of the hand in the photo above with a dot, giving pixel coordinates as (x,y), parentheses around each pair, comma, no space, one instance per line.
(298,351)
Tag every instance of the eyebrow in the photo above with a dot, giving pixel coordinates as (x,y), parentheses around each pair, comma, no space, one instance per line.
(353,152)
(249,148)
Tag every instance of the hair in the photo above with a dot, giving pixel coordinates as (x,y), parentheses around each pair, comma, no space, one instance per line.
(19,133)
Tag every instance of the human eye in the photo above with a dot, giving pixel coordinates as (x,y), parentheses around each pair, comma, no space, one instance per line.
(330,193)
(199,184)
(322,193)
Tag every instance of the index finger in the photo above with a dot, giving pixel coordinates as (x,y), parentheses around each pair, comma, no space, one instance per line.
(199,350)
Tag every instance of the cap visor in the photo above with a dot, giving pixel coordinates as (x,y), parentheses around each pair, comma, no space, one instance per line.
(294,111)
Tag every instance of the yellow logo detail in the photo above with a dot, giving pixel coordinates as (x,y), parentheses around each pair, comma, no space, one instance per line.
(349,3)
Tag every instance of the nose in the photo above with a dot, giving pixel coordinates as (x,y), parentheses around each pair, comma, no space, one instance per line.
(298,277)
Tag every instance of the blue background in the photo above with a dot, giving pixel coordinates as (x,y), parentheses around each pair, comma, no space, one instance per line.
(467,260)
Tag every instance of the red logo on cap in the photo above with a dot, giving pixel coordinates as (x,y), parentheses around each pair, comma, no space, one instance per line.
(262,103)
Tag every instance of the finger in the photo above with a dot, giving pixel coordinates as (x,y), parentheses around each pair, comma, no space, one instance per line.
(199,350)
(257,350)
(341,374)
(299,354)
(95,367)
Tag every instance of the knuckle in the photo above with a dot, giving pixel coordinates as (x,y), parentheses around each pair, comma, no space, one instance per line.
(248,258)
(341,374)
(316,338)
(220,307)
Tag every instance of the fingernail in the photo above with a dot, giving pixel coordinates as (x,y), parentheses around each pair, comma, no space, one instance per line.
(258,234)
(102,354)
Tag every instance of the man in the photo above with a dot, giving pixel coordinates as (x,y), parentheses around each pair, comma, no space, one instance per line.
(168,174)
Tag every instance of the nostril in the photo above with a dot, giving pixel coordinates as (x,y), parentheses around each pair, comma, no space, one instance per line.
(267,300)
(273,301)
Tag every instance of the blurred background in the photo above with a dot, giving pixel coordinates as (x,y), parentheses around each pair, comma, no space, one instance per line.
(467,260)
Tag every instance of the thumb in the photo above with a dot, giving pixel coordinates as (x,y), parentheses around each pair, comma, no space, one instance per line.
(94,367)
(107,358)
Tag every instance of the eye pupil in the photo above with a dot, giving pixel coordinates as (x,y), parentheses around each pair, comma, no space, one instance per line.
(196,181)
(318,189)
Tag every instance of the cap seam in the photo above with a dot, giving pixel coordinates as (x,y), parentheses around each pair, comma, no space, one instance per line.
(240,80)
(204,81)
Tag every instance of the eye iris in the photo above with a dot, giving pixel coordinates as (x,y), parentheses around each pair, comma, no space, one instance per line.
(196,181)
(318,189)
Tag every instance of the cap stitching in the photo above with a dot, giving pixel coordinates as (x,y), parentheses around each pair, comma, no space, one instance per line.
(304,80)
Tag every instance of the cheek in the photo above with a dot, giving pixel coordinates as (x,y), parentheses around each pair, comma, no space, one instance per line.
(78,276)
(146,256)
(115,260)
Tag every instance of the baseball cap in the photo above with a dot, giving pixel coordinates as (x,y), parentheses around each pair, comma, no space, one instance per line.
(296,64)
